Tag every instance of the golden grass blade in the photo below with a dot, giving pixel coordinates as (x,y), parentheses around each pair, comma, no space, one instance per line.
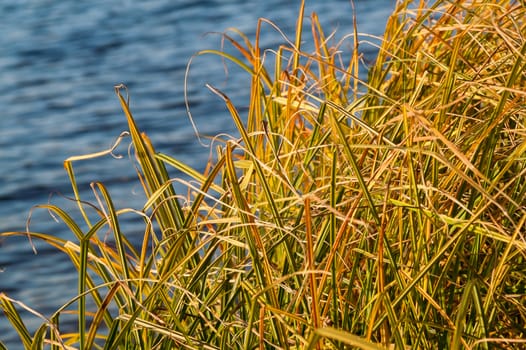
(181,339)
(14,317)
(169,210)
(96,323)
(309,234)
(192,172)
(68,165)
(297,42)
(237,62)
(342,337)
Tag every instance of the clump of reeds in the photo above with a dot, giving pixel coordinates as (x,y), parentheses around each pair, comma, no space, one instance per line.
(386,213)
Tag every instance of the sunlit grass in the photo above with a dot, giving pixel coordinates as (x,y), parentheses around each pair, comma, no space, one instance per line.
(381,214)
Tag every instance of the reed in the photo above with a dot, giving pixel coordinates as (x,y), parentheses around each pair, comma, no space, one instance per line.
(386,213)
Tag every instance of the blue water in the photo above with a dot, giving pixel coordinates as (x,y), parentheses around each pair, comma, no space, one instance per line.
(59,61)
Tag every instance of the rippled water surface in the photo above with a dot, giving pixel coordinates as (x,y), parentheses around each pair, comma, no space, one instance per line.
(59,61)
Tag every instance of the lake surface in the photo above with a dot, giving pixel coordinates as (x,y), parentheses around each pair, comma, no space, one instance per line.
(59,62)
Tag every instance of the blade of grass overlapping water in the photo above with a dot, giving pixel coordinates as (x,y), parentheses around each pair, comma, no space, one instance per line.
(16,320)
(171,215)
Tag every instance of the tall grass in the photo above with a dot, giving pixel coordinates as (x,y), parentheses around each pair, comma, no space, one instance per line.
(387,213)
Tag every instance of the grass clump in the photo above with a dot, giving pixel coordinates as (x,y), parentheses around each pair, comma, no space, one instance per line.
(386,213)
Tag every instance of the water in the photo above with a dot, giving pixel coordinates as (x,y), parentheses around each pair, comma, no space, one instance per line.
(59,61)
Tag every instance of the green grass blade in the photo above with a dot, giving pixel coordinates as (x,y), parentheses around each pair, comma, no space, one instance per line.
(171,215)
(342,337)
(14,317)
